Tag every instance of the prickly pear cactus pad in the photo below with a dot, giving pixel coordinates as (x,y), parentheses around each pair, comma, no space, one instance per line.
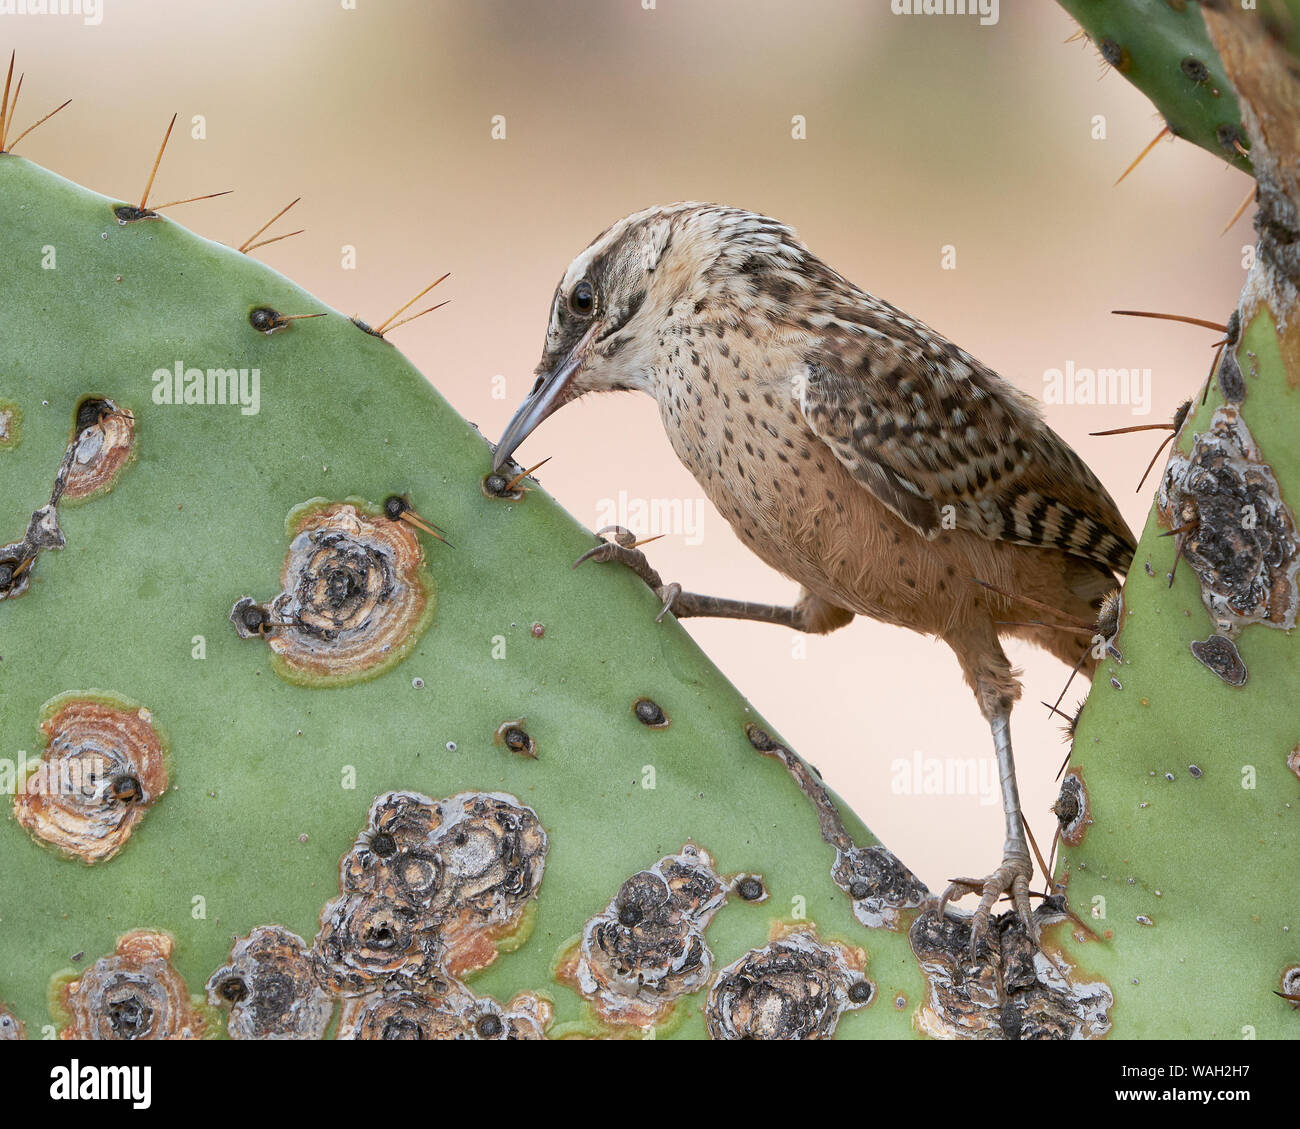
(1163,48)
(1178,813)
(393,794)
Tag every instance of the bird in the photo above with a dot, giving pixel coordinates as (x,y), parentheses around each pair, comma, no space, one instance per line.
(850,446)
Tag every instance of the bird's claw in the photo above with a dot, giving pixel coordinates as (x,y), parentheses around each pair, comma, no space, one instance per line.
(623,550)
(1011,879)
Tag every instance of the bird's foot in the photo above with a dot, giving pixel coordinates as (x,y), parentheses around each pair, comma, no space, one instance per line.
(623,549)
(1012,879)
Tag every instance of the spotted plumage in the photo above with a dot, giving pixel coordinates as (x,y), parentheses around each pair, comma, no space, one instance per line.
(850,446)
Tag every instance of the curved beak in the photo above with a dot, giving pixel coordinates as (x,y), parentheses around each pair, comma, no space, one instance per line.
(542,400)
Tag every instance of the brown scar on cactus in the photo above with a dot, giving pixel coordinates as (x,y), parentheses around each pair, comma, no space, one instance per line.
(103,443)
(447,1010)
(104,765)
(12,1029)
(356,596)
(11,425)
(881,887)
(646,951)
(459,876)
(1224,504)
(1071,809)
(17,559)
(1289,985)
(134,994)
(367,942)
(390,323)
(269,988)
(1012,989)
(1219,655)
(130,213)
(7,111)
(794,988)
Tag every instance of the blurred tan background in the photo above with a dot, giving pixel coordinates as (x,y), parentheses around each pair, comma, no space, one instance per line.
(921,133)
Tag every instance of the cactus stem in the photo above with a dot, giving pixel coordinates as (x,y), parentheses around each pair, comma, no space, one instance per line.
(248,243)
(1142,155)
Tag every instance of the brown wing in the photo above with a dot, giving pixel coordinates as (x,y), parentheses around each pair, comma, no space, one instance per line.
(925,426)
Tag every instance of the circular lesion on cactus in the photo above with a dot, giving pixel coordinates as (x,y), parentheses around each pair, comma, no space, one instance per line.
(11,425)
(356,596)
(452,1012)
(102,444)
(1071,809)
(396,854)
(133,994)
(1289,986)
(11,1027)
(431,888)
(646,950)
(368,942)
(270,988)
(104,765)
(796,987)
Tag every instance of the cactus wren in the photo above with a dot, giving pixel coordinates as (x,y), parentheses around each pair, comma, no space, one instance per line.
(850,446)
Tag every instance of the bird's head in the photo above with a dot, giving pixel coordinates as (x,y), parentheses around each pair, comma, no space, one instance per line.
(650,272)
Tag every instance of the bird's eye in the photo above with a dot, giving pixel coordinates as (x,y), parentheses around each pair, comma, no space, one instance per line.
(583,299)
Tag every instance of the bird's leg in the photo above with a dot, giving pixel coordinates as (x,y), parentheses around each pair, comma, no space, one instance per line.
(1012,877)
(996,688)
(811,614)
